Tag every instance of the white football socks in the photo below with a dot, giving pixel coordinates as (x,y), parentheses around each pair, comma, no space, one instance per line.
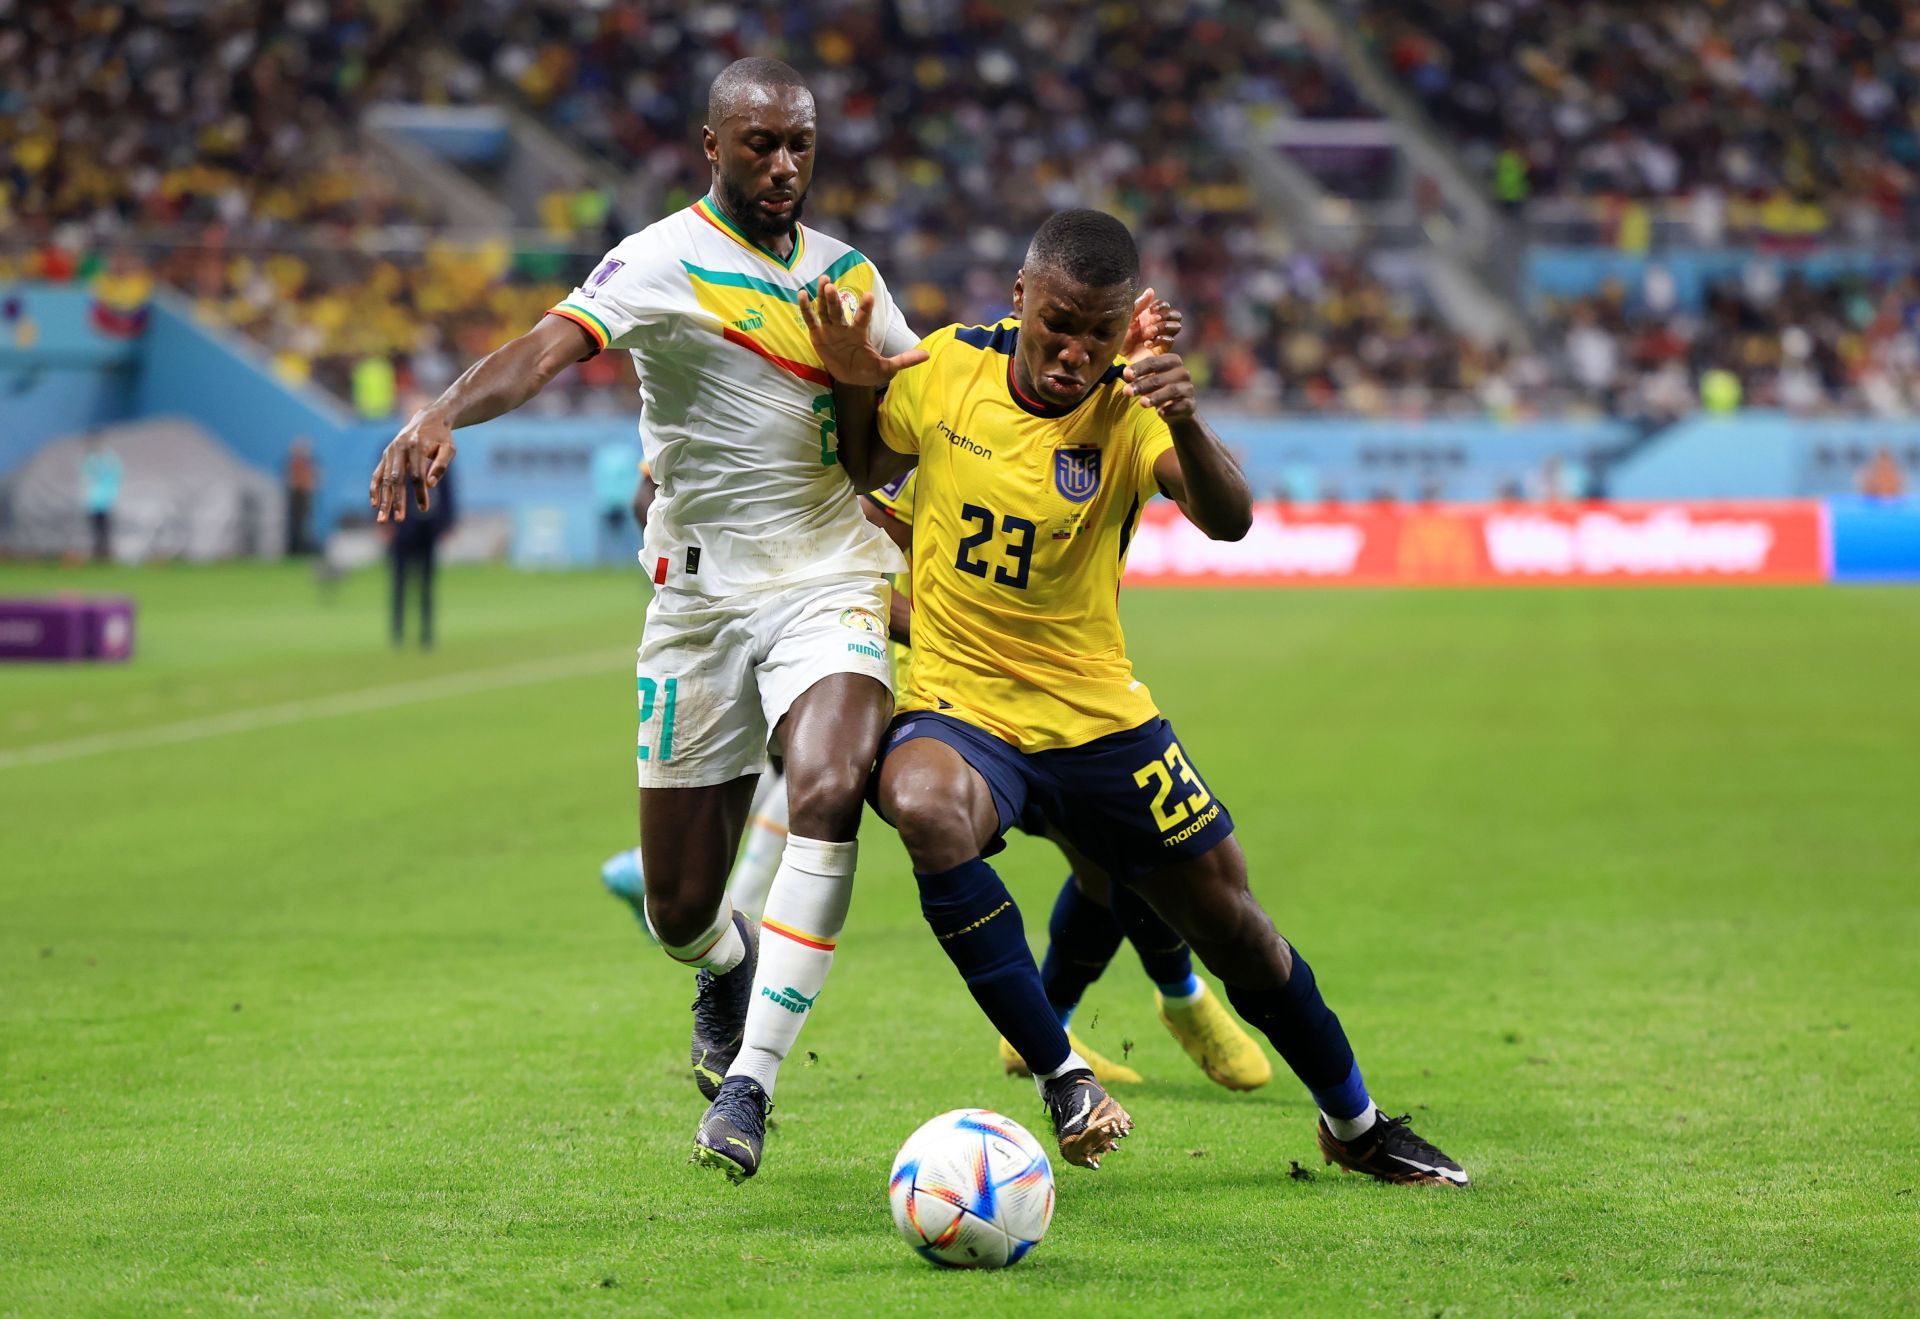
(1347,1128)
(806,910)
(718,948)
(1074,1062)
(766,840)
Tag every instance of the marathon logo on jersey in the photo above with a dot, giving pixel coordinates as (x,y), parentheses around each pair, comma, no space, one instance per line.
(606,271)
(964,443)
(1076,473)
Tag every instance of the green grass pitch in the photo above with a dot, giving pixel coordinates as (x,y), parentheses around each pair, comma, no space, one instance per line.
(322,1011)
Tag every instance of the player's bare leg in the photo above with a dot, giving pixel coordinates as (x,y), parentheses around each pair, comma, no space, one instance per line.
(687,842)
(624,875)
(946,815)
(828,739)
(1207,900)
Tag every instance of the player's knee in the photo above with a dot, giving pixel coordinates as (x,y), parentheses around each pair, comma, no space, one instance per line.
(1092,885)
(825,802)
(934,826)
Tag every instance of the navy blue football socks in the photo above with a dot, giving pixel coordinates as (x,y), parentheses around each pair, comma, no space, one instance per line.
(1305,1032)
(1164,955)
(978,926)
(1082,937)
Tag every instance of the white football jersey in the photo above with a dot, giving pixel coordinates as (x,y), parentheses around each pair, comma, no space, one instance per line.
(737,410)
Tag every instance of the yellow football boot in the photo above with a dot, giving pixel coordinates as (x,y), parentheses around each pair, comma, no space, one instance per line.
(1214,1040)
(1105,1070)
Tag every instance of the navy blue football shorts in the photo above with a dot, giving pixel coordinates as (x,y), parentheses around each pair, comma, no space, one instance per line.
(1132,802)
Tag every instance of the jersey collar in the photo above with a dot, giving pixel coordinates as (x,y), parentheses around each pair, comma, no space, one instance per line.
(709,210)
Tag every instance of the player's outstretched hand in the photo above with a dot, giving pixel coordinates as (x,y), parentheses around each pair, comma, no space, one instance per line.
(1161,382)
(841,339)
(1156,324)
(417,456)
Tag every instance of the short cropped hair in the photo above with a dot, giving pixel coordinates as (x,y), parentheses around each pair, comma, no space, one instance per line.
(741,79)
(1089,247)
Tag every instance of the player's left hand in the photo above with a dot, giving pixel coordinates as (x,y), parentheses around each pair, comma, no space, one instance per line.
(1161,382)
(1155,325)
(841,340)
(417,456)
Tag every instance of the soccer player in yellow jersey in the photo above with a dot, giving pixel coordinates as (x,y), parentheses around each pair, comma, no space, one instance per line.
(1036,448)
(1091,916)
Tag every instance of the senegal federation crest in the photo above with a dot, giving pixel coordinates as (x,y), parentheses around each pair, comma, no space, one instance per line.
(1076,473)
(863,620)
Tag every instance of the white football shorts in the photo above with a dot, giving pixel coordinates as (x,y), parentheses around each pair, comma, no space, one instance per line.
(715,676)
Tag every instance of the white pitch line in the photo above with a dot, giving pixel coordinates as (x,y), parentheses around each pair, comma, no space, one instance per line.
(464,683)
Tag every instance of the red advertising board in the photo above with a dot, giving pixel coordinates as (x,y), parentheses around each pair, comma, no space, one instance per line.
(1478,545)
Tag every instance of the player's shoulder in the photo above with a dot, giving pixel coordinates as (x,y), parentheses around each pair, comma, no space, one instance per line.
(967,341)
(1110,398)
(834,257)
(645,251)
(998,338)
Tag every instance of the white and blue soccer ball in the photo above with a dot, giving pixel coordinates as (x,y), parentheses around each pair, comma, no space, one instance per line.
(972,1189)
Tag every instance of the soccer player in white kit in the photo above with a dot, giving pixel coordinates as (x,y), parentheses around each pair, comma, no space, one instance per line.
(767,628)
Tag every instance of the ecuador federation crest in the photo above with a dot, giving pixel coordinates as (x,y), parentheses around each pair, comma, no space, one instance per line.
(1076,473)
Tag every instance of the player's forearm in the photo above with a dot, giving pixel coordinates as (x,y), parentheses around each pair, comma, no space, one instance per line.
(1218,499)
(869,461)
(885,463)
(501,381)
(856,417)
(900,618)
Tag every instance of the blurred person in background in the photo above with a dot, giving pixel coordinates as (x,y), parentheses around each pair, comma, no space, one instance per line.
(411,552)
(302,479)
(1882,478)
(1548,484)
(615,499)
(101,474)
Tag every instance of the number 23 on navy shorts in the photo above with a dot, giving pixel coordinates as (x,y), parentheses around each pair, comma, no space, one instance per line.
(1131,801)
(715,675)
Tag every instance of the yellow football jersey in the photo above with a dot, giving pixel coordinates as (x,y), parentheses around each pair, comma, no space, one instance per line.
(1021,517)
(896,496)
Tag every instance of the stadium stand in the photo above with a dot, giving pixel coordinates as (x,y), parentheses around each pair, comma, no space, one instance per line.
(117,116)
(951,129)
(963,106)
(1847,344)
(1761,120)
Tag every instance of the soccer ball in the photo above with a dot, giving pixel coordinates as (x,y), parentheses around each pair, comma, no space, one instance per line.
(972,1190)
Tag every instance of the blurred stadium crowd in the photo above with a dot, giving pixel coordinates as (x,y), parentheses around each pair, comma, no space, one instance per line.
(215,148)
(1742,118)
